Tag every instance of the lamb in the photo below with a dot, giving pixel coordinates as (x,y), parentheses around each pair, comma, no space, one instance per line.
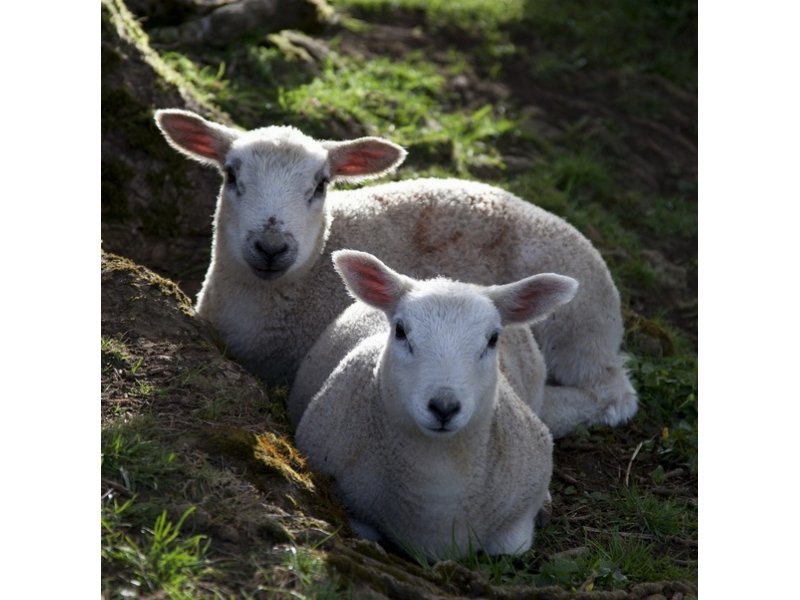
(428,443)
(270,288)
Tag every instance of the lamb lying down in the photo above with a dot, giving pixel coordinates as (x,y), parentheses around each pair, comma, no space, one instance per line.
(270,289)
(427,423)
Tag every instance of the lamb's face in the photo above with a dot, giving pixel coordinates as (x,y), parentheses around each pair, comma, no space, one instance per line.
(440,363)
(272,210)
(271,216)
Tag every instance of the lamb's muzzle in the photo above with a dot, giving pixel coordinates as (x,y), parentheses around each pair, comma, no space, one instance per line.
(270,253)
(444,406)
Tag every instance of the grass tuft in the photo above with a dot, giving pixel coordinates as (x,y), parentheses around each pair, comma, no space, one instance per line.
(279,454)
(154,559)
(131,459)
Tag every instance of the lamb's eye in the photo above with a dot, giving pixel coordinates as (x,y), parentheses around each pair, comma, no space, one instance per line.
(493,340)
(320,189)
(230,175)
(399,331)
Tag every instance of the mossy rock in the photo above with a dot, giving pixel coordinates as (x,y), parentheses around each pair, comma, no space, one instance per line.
(156,205)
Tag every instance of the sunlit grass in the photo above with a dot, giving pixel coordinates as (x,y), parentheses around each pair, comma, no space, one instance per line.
(156,559)
(404,100)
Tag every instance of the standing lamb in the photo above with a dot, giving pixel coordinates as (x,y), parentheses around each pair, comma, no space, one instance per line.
(428,443)
(270,289)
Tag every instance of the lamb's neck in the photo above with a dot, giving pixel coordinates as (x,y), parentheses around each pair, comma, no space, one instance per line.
(227,279)
(429,461)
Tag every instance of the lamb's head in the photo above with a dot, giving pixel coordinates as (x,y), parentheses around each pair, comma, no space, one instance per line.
(271,217)
(440,367)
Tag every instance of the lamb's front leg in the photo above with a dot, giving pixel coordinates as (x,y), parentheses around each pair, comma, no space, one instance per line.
(545,513)
(515,538)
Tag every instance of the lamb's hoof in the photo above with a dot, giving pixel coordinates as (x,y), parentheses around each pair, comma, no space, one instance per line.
(621,410)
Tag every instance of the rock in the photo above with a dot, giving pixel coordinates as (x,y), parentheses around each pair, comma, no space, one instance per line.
(156,206)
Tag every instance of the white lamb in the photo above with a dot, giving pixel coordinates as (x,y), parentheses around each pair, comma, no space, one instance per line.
(270,289)
(427,442)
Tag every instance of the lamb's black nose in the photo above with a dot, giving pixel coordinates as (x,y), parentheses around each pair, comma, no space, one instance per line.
(444,407)
(270,250)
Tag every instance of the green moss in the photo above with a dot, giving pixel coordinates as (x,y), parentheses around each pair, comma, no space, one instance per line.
(257,452)
(112,262)
(131,121)
(117,15)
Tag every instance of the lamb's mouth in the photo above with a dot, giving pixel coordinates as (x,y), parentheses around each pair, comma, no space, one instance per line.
(269,273)
(440,431)
(270,270)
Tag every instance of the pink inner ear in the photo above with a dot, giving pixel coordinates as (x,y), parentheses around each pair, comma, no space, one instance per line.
(373,287)
(202,144)
(536,299)
(365,159)
(526,303)
(194,137)
(357,166)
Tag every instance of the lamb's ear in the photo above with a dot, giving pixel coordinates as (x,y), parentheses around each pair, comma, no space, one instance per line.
(369,280)
(363,158)
(532,298)
(192,135)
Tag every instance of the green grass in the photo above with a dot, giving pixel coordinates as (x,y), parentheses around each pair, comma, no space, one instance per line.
(580,190)
(474,16)
(656,516)
(144,548)
(114,353)
(130,458)
(151,559)
(405,100)
(609,563)
(312,578)
(668,397)
(641,36)
(210,80)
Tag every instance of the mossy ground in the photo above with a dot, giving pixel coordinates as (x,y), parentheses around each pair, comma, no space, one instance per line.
(539,97)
